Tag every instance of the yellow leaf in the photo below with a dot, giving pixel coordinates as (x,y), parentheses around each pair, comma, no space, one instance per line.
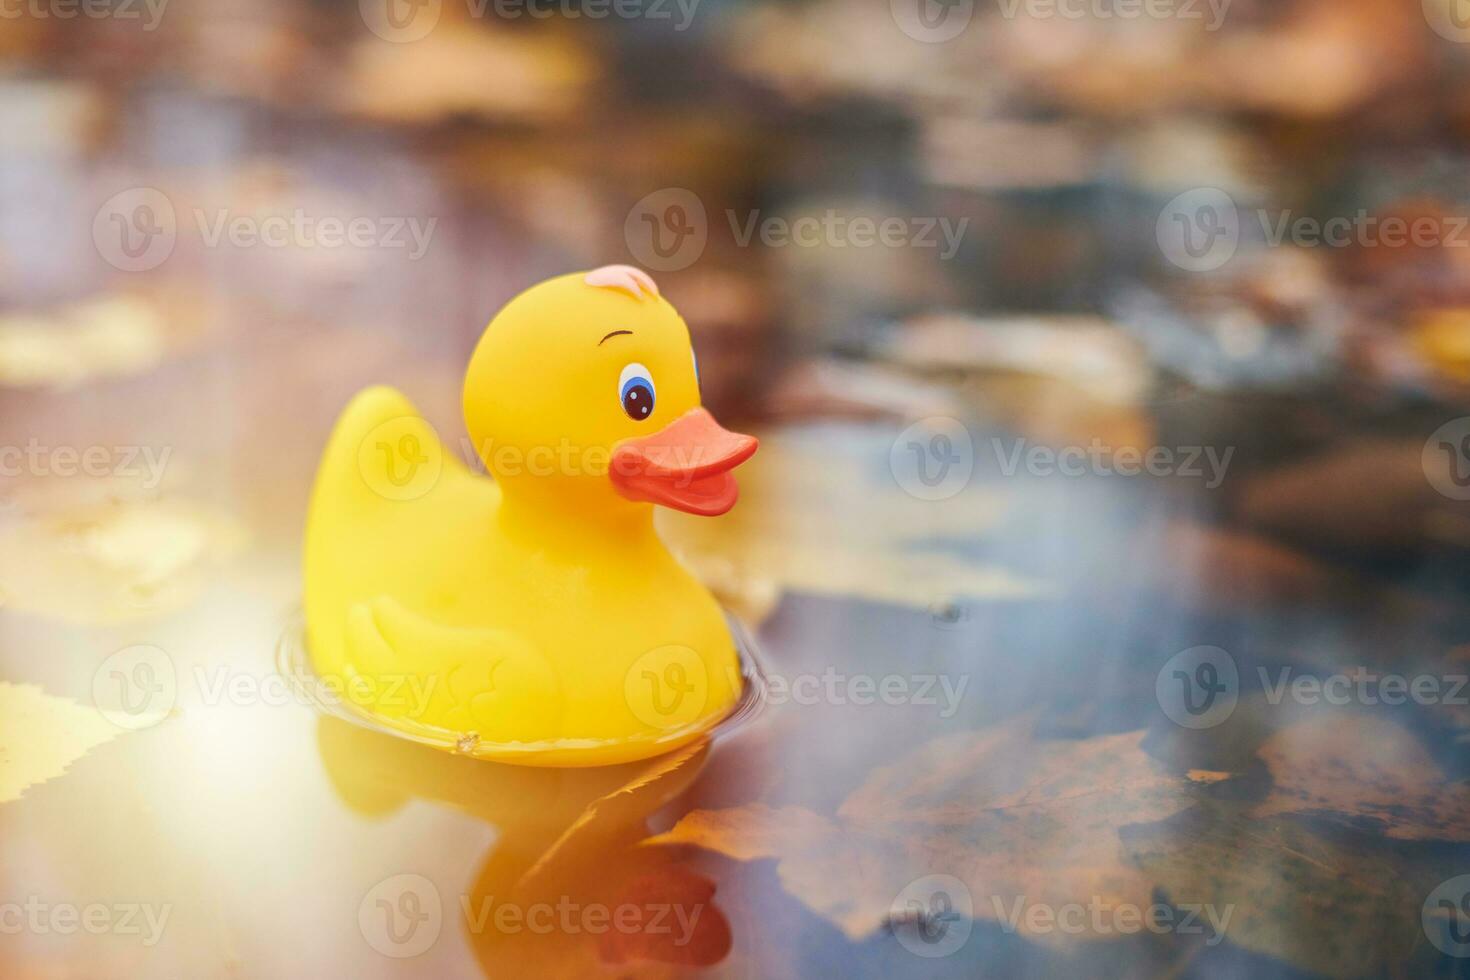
(41,735)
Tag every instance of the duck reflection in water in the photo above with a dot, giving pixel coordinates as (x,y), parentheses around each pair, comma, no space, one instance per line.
(566,889)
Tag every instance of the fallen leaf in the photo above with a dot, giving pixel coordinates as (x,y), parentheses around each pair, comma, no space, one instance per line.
(42,735)
(113,561)
(1363,769)
(1015,817)
(1322,906)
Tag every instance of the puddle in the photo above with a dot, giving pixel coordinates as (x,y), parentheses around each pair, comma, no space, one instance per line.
(326,694)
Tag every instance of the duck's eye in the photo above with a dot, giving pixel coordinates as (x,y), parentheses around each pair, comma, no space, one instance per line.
(635,391)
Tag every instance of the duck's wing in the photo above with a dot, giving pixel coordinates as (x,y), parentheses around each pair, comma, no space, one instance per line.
(486,681)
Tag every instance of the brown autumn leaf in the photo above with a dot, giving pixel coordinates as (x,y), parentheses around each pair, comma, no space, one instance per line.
(41,735)
(1334,909)
(1015,817)
(1363,769)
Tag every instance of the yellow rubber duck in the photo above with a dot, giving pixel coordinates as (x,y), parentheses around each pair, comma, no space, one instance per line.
(536,618)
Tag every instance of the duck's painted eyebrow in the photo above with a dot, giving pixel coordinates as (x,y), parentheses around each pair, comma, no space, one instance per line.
(614,334)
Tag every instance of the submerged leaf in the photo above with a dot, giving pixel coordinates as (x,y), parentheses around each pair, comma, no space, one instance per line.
(1365,769)
(1282,891)
(1022,821)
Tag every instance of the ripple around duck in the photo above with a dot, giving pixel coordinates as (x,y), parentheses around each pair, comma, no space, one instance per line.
(293,663)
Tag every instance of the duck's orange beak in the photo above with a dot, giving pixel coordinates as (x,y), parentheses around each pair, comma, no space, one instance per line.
(685,465)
